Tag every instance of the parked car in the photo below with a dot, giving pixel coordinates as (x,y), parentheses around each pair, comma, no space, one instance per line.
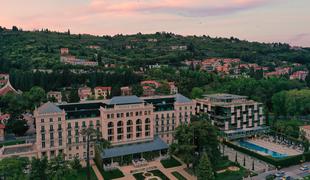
(280,174)
(304,168)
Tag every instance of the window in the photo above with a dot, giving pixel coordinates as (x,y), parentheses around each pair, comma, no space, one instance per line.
(69,140)
(51,128)
(59,119)
(52,143)
(83,124)
(110,124)
(76,139)
(98,123)
(51,119)
(108,116)
(76,125)
(43,137)
(69,125)
(51,135)
(69,133)
(42,129)
(59,126)
(42,120)
(60,142)
(43,144)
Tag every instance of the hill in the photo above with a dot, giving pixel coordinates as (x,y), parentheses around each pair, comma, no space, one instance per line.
(41,49)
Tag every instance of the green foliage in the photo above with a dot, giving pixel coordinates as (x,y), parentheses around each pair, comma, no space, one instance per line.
(204,169)
(171,162)
(13,168)
(137,90)
(18,127)
(76,164)
(38,169)
(74,96)
(178,175)
(196,93)
(200,136)
(58,168)
(114,174)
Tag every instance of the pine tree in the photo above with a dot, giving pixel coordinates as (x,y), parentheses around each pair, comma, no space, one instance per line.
(204,170)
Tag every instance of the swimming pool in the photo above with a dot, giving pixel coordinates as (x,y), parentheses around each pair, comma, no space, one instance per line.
(255,147)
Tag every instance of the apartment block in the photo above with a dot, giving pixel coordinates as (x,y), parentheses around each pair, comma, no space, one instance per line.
(235,115)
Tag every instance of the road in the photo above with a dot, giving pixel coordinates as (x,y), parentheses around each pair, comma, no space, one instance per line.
(292,171)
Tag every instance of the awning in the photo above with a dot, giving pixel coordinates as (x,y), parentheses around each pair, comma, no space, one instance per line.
(155,145)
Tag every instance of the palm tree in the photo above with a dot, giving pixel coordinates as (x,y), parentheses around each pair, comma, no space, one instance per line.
(95,137)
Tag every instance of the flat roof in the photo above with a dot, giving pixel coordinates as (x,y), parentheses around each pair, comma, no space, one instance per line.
(224,96)
(155,145)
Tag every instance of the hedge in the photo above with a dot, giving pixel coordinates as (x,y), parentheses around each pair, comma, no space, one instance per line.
(279,163)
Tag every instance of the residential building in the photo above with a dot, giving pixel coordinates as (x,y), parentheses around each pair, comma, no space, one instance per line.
(305,129)
(235,115)
(102,92)
(173,88)
(4,118)
(299,75)
(84,93)
(5,85)
(2,133)
(126,91)
(55,95)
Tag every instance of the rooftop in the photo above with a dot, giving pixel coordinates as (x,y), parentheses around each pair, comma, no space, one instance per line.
(155,145)
(225,96)
(48,108)
(119,100)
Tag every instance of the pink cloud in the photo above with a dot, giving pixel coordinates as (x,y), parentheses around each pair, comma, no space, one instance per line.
(179,7)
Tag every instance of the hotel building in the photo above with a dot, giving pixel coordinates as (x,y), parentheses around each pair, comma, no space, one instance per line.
(235,115)
(133,125)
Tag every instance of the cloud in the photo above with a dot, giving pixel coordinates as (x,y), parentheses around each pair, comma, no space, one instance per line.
(193,8)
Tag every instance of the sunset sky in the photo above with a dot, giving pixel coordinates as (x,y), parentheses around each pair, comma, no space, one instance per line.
(254,20)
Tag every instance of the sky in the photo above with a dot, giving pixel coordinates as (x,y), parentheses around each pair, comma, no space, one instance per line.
(254,20)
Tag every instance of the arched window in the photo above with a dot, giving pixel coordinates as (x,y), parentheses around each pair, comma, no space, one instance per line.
(138,121)
(129,122)
(110,124)
(120,123)
(147,120)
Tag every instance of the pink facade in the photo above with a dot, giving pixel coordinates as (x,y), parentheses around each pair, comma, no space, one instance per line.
(122,120)
(102,92)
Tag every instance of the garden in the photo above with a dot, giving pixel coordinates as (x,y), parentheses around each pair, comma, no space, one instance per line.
(153,173)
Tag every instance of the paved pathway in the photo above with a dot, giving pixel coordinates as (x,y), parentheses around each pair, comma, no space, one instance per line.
(96,170)
(259,166)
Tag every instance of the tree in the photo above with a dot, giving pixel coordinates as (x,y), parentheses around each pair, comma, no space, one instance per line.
(95,137)
(76,164)
(184,148)
(36,95)
(38,169)
(137,90)
(204,169)
(58,168)
(14,28)
(197,93)
(74,96)
(13,168)
(18,127)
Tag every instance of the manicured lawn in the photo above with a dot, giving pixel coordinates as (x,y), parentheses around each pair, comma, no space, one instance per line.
(229,175)
(178,175)
(82,175)
(171,162)
(139,176)
(107,175)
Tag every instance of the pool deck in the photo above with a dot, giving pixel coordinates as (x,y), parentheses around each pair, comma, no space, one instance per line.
(275,147)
